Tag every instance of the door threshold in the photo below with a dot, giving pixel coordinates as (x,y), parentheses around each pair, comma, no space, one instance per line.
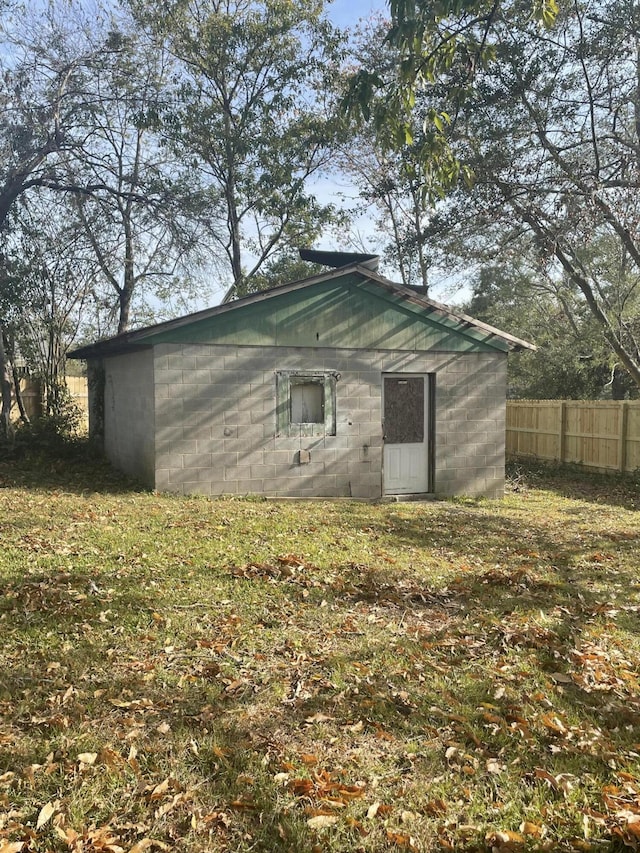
(420,496)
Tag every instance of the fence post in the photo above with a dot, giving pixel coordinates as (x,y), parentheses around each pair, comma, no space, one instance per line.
(622,436)
(561,430)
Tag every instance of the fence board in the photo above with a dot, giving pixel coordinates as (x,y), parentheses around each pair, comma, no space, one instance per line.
(32,396)
(602,435)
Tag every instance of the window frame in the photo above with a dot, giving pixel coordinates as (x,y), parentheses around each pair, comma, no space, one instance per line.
(284,381)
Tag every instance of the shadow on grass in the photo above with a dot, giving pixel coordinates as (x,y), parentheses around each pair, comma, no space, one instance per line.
(576,483)
(86,674)
(205,742)
(76,467)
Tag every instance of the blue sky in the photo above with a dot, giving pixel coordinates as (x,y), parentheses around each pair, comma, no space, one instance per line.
(347,13)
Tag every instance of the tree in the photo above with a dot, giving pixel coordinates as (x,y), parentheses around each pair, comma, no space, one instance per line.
(142,219)
(572,360)
(440,48)
(79,98)
(39,97)
(48,291)
(550,134)
(390,181)
(250,110)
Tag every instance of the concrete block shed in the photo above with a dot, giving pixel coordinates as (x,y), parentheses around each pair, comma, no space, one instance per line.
(342,384)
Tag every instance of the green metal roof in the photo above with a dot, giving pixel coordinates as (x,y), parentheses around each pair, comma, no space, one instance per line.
(351,307)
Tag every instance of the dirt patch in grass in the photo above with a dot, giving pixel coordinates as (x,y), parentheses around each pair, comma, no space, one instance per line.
(193,675)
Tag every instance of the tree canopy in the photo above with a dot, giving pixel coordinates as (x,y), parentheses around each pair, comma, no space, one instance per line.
(525,126)
(252,108)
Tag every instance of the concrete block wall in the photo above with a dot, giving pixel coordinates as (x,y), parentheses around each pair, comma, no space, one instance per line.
(216,430)
(129,414)
(471,426)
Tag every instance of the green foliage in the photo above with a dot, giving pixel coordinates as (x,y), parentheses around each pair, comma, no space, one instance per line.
(283,269)
(573,360)
(59,431)
(440,47)
(252,109)
(547,132)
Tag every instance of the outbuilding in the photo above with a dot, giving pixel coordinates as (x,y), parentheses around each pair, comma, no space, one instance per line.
(341,384)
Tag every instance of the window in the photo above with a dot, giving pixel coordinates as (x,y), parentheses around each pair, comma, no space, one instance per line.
(306,403)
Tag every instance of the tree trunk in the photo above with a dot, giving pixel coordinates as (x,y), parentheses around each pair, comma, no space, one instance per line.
(126,292)
(6,430)
(9,348)
(24,417)
(233,220)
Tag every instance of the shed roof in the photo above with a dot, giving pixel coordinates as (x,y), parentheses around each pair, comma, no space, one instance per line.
(350,306)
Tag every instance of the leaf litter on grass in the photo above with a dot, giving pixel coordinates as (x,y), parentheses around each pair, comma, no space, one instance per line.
(183,674)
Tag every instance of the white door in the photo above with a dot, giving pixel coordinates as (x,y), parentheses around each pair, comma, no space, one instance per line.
(406,441)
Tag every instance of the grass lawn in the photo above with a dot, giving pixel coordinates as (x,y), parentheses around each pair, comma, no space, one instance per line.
(246,675)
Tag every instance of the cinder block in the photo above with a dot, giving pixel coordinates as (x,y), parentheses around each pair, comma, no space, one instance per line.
(241,445)
(289,471)
(260,472)
(322,483)
(281,457)
(196,460)
(365,490)
(219,461)
(224,487)
(162,481)
(178,448)
(196,404)
(236,472)
(238,417)
(281,486)
(209,445)
(171,376)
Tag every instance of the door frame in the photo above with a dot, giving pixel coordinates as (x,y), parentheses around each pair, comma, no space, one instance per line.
(429,424)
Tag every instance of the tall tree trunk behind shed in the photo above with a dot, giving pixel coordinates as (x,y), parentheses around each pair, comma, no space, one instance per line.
(6,431)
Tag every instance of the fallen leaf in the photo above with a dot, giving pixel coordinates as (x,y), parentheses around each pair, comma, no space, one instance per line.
(529,828)
(561,678)
(46,813)
(402,840)
(68,835)
(301,787)
(160,790)
(322,820)
(87,757)
(504,840)
(434,808)
(540,773)
(354,824)
(318,718)
(140,846)
(12,846)
(554,724)
(372,811)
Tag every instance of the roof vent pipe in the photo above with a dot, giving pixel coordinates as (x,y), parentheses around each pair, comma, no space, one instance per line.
(340,259)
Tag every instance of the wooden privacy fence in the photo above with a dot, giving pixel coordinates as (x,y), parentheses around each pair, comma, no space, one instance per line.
(603,435)
(32,396)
